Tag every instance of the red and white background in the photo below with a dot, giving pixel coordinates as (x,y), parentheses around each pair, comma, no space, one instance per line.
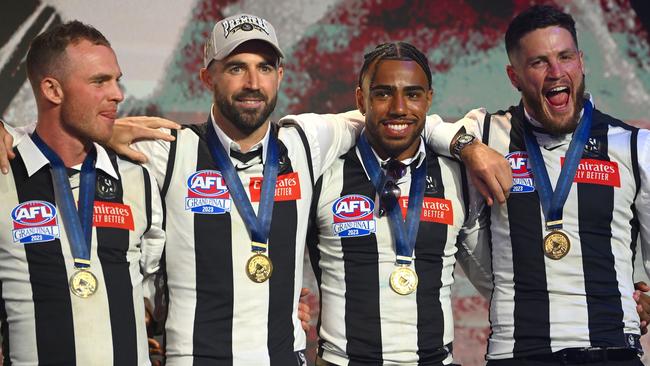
(159,47)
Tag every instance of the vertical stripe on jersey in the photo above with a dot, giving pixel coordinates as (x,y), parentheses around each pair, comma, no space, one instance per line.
(214,281)
(282,252)
(531,299)
(112,249)
(634,222)
(429,253)
(4,330)
(601,285)
(49,281)
(360,256)
(312,242)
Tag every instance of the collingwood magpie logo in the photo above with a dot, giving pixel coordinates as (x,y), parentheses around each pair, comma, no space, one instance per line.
(107,188)
(246,23)
(432,185)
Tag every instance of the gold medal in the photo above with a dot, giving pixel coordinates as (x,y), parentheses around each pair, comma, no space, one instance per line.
(403,280)
(83,283)
(259,268)
(556,244)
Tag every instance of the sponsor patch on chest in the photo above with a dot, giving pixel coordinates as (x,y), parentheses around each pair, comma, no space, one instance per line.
(353,216)
(437,210)
(601,172)
(34,222)
(111,214)
(207,193)
(522,175)
(287,187)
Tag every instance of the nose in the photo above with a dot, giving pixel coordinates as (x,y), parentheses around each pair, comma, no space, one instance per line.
(252,80)
(555,69)
(116,95)
(398,105)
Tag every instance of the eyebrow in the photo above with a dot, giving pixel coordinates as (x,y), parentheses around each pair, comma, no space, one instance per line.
(104,77)
(242,64)
(390,87)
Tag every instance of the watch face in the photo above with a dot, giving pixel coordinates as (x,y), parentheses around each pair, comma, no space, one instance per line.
(465,139)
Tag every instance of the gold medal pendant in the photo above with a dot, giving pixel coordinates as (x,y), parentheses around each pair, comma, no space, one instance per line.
(403,280)
(556,245)
(83,283)
(259,268)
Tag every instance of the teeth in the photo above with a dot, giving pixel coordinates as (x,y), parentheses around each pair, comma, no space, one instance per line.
(559,89)
(397,127)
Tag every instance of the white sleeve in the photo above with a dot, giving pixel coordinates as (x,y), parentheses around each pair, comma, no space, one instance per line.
(18,133)
(157,152)
(153,243)
(474,254)
(329,135)
(439,134)
(642,202)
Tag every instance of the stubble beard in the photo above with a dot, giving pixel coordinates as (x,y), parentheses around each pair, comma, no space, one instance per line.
(246,121)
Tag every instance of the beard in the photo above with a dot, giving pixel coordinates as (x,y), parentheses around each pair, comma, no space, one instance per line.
(556,125)
(245,120)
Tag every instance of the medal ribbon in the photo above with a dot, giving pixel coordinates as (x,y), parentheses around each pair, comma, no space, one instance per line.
(404,233)
(78,222)
(259,225)
(553,201)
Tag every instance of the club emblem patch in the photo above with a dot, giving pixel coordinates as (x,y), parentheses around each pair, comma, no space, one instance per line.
(207,193)
(353,216)
(34,222)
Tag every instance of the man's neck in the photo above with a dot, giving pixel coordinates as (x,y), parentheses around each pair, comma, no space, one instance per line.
(70,149)
(408,153)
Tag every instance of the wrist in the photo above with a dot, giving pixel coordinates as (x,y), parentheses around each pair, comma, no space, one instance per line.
(461,142)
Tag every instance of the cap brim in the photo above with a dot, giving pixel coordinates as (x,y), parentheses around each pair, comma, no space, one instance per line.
(226,51)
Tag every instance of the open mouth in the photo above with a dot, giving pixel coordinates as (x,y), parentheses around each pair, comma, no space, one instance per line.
(397,127)
(558,96)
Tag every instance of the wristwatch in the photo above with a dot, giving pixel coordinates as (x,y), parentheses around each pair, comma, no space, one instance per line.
(460,143)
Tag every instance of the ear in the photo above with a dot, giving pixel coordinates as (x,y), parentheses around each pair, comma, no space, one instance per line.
(429,98)
(582,62)
(206,78)
(280,75)
(361,103)
(512,75)
(51,90)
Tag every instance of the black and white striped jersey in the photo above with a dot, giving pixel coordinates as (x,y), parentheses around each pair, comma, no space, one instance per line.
(216,315)
(43,323)
(541,305)
(362,320)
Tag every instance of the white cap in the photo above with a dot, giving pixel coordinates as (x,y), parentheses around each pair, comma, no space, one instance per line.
(230,32)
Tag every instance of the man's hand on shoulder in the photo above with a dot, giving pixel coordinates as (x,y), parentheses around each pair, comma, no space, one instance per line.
(133,129)
(489,171)
(6,148)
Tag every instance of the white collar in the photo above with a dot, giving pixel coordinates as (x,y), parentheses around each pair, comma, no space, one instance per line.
(419,156)
(34,159)
(228,144)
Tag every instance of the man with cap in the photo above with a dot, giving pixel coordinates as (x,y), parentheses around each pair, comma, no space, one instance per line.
(237,191)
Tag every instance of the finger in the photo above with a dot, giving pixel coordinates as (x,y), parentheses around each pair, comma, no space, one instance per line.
(126,151)
(304,292)
(140,133)
(495,188)
(483,190)
(154,346)
(504,178)
(305,326)
(642,286)
(152,122)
